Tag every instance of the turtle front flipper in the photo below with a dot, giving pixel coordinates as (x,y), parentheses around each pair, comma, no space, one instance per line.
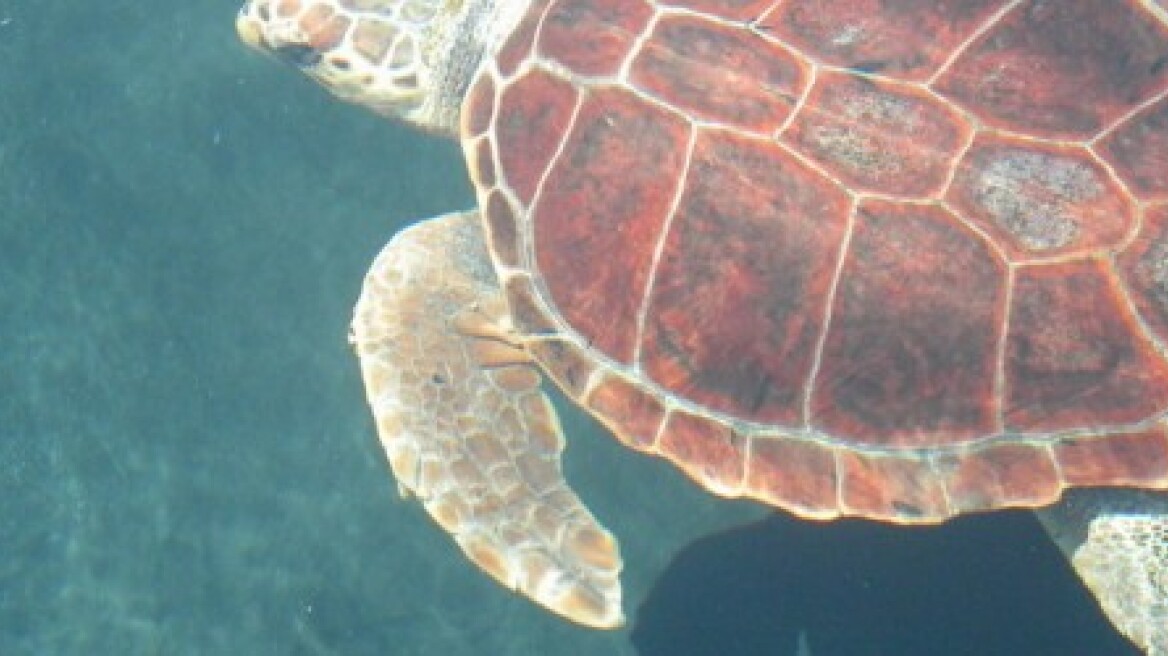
(1117,541)
(466,426)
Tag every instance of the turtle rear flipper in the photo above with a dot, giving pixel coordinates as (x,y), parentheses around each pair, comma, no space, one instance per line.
(466,426)
(1117,540)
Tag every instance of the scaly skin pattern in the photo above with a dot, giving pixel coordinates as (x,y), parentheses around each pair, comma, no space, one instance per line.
(467,429)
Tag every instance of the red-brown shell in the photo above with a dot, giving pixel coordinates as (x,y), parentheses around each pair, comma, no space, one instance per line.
(888,258)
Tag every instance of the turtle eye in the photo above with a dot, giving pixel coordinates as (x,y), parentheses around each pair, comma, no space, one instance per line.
(298,54)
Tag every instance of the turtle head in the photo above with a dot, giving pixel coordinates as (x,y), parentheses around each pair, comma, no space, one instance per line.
(407,59)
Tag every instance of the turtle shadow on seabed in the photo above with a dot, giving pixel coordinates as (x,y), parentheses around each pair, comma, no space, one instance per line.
(985,584)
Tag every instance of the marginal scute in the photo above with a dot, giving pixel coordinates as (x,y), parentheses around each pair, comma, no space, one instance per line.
(1075,355)
(502,229)
(879,136)
(482,162)
(999,475)
(706,449)
(799,475)
(1136,458)
(633,413)
(1040,200)
(900,488)
(1061,69)
(721,73)
(566,363)
(479,107)
(526,312)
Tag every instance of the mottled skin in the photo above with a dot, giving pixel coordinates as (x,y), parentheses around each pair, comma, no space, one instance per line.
(893,259)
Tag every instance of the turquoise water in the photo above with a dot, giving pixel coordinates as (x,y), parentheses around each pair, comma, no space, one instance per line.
(186,462)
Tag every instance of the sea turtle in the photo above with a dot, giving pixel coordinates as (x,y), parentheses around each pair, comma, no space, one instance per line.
(892,259)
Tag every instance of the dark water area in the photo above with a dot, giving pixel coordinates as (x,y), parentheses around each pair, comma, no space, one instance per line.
(991,584)
(187,464)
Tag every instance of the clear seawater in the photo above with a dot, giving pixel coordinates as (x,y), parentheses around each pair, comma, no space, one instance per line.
(186,461)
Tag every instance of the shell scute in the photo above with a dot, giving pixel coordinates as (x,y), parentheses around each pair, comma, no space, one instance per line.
(908,39)
(801,475)
(1138,151)
(592,37)
(1041,200)
(900,487)
(1061,69)
(999,475)
(593,228)
(634,413)
(879,136)
(1075,356)
(1144,270)
(910,358)
(743,279)
(534,113)
(720,73)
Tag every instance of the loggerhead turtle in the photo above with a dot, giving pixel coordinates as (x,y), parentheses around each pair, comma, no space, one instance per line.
(892,259)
